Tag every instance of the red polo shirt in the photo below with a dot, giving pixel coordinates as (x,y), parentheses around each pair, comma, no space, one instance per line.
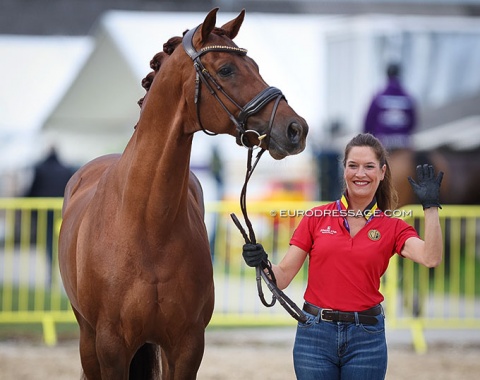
(344,272)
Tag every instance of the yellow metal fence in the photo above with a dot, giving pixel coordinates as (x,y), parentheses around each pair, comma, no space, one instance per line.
(30,286)
(447,297)
(416,297)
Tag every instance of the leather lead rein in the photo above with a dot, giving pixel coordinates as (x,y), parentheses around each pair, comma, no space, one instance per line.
(269,277)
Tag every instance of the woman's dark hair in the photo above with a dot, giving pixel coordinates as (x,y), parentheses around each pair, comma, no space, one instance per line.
(387,197)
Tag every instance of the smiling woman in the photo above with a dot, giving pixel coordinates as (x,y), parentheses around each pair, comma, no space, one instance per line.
(363,173)
(349,243)
(367,173)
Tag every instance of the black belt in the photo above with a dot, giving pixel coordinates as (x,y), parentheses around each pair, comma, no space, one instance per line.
(366,316)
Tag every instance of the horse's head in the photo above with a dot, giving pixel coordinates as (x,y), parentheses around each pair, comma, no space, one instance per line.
(230,95)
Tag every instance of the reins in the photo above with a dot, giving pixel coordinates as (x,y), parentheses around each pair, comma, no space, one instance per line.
(265,271)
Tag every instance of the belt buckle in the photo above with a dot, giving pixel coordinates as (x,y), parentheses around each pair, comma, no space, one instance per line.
(325,318)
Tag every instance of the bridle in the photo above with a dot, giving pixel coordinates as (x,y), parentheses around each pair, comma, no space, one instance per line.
(264,271)
(203,76)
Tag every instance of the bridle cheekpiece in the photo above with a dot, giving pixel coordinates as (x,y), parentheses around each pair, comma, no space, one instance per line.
(203,76)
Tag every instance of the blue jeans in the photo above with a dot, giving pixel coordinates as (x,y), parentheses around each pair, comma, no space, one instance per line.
(340,350)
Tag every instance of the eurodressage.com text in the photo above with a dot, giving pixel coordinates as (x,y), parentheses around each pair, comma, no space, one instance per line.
(341,213)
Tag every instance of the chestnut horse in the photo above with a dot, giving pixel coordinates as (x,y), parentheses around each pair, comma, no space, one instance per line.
(133,250)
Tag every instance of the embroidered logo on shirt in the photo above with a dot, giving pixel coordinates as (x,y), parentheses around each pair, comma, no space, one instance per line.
(328,230)
(374,235)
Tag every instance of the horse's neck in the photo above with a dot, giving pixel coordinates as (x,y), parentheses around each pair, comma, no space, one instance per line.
(154,172)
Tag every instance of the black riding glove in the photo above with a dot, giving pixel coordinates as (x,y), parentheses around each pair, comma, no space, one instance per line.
(254,255)
(428,187)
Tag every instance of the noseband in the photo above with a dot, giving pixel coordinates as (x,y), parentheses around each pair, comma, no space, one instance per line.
(251,108)
(203,76)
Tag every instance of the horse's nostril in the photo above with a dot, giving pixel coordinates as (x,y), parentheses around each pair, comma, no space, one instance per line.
(294,133)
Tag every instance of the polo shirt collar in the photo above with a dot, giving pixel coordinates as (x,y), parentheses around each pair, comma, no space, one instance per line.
(367,213)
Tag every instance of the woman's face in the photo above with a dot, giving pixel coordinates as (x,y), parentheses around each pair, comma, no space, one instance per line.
(362,172)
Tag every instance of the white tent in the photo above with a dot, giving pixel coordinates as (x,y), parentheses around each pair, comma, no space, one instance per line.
(35,72)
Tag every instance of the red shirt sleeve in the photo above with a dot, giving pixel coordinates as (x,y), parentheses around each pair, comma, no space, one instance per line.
(403,232)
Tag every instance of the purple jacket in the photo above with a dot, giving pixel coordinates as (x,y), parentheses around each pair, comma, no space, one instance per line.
(391,116)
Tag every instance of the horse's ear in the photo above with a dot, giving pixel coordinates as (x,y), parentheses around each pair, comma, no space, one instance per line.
(209,24)
(232,27)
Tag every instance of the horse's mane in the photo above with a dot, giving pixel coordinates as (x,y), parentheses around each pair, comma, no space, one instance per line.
(157,60)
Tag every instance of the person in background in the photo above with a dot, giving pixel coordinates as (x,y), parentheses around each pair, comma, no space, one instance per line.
(349,243)
(50,177)
(49,180)
(391,116)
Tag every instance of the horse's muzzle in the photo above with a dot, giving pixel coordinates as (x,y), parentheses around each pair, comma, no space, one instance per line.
(288,141)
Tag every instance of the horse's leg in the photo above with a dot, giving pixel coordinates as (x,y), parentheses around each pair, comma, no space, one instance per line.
(185,357)
(113,355)
(88,353)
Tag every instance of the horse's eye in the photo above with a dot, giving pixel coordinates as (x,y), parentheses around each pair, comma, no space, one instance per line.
(225,71)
